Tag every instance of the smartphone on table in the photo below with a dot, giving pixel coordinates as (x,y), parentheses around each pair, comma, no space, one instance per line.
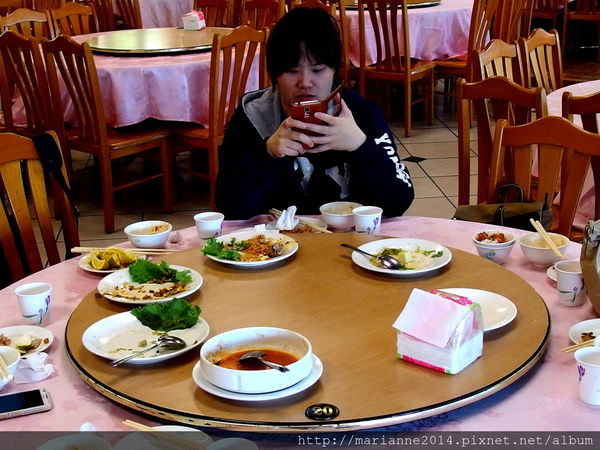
(24,402)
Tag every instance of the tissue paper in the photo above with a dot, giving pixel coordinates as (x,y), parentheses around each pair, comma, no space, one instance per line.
(33,368)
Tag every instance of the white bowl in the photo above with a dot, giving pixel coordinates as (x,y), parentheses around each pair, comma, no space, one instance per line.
(143,234)
(339,215)
(255,338)
(495,252)
(536,250)
(510,239)
(11,357)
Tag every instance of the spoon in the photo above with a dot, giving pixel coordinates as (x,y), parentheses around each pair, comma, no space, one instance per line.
(257,354)
(164,341)
(389,262)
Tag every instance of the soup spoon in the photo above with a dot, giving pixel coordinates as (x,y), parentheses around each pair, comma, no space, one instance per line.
(389,262)
(164,341)
(258,355)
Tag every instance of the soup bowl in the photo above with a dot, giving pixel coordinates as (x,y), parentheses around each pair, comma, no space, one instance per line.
(227,347)
(488,245)
(148,234)
(537,251)
(339,215)
(11,358)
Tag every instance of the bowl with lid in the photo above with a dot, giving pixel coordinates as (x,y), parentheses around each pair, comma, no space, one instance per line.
(339,215)
(148,234)
(220,359)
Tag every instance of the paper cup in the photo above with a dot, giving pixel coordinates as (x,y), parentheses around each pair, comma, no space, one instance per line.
(588,368)
(367,219)
(569,282)
(34,301)
(209,224)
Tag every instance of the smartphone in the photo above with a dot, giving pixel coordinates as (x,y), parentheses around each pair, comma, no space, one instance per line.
(24,402)
(305,110)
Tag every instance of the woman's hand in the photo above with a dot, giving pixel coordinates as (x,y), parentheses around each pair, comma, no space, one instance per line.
(340,133)
(286,141)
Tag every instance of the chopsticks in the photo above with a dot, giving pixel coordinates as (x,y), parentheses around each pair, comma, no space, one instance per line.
(179,442)
(579,345)
(540,229)
(277,213)
(4,373)
(137,251)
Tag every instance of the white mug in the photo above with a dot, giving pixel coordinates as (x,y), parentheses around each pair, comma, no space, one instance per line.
(588,368)
(34,301)
(569,282)
(208,224)
(367,219)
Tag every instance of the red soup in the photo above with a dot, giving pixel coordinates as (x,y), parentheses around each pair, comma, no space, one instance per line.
(232,361)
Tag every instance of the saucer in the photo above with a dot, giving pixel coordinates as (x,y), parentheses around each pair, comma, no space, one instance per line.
(302,385)
(587,326)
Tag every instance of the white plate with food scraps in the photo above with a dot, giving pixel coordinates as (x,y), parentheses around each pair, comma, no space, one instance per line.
(16,332)
(301,228)
(496,310)
(415,246)
(300,386)
(85,265)
(112,284)
(587,326)
(290,247)
(121,334)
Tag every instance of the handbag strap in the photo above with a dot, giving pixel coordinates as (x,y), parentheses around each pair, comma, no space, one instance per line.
(502,191)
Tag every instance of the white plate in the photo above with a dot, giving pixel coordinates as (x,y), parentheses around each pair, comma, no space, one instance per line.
(592,325)
(125,331)
(122,276)
(243,235)
(15,332)
(551,273)
(307,382)
(145,441)
(310,220)
(496,309)
(85,265)
(374,247)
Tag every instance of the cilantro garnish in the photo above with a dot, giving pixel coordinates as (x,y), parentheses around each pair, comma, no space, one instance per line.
(174,315)
(143,271)
(220,250)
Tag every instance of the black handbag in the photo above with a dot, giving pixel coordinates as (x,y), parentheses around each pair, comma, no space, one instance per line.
(508,214)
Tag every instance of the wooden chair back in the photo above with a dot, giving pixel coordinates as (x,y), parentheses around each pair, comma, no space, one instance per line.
(512,20)
(498,59)
(28,23)
(542,61)
(22,72)
(493,99)
(105,14)
(217,13)
(73,19)
(546,9)
(22,178)
(587,106)
(552,137)
(261,14)
(8,6)
(44,5)
(130,13)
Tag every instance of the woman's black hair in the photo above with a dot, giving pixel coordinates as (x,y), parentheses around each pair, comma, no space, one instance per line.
(309,30)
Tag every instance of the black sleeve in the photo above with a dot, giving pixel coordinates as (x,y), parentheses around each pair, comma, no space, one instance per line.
(378,177)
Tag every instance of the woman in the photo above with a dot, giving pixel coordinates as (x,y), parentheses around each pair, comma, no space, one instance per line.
(270,160)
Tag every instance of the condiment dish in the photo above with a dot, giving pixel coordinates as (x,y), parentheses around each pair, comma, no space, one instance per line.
(148,234)
(339,215)
(537,251)
(487,245)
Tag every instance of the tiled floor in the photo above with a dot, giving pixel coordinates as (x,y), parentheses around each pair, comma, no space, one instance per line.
(430,154)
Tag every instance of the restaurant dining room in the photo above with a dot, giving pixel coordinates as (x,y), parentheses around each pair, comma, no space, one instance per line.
(272,224)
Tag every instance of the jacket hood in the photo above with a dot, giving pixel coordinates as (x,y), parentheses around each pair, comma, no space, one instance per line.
(263,108)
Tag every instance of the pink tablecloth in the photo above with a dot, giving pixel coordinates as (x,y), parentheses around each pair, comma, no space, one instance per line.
(436,32)
(585,209)
(544,399)
(162,13)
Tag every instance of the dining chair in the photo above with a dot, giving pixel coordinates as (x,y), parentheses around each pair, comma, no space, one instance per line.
(493,98)
(587,106)
(393,63)
(217,13)
(550,137)
(73,19)
(582,11)
(231,62)
(541,59)
(548,10)
(498,59)
(105,14)
(512,20)
(73,63)
(130,13)
(24,183)
(261,14)
(22,75)
(44,5)
(337,9)
(28,23)
(8,6)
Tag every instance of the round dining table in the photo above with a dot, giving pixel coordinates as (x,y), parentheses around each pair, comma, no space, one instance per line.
(544,398)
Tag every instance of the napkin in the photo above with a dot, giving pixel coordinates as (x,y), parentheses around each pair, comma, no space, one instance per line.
(33,368)
(194,20)
(287,220)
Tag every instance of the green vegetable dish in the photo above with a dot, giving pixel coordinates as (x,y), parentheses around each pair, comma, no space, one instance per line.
(409,259)
(164,317)
(145,271)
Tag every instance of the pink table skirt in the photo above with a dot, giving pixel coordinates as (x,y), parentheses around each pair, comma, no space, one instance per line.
(585,209)
(545,399)
(162,13)
(436,32)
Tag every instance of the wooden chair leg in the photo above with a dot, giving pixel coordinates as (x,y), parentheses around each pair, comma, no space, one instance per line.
(407,108)
(167,179)
(108,203)
(430,99)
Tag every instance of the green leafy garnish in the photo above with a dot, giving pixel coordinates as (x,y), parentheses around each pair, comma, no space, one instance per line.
(229,251)
(144,271)
(174,315)
(433,253)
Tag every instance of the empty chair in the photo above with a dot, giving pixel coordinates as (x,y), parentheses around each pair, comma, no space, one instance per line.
(588,107)
(548,10)
(493,98)
(261,14)
(72,19)
(541,58)
(550,137)
(28,23)
(582,11)
(498,59)
(105,14)
(217,13)
(130,13)
(44,5)
(74,63)
(22,177)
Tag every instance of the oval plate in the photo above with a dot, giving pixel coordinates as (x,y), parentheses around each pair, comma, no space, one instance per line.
(15,332)
(374,247)
(122,276)
(243,235)
(119,335)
